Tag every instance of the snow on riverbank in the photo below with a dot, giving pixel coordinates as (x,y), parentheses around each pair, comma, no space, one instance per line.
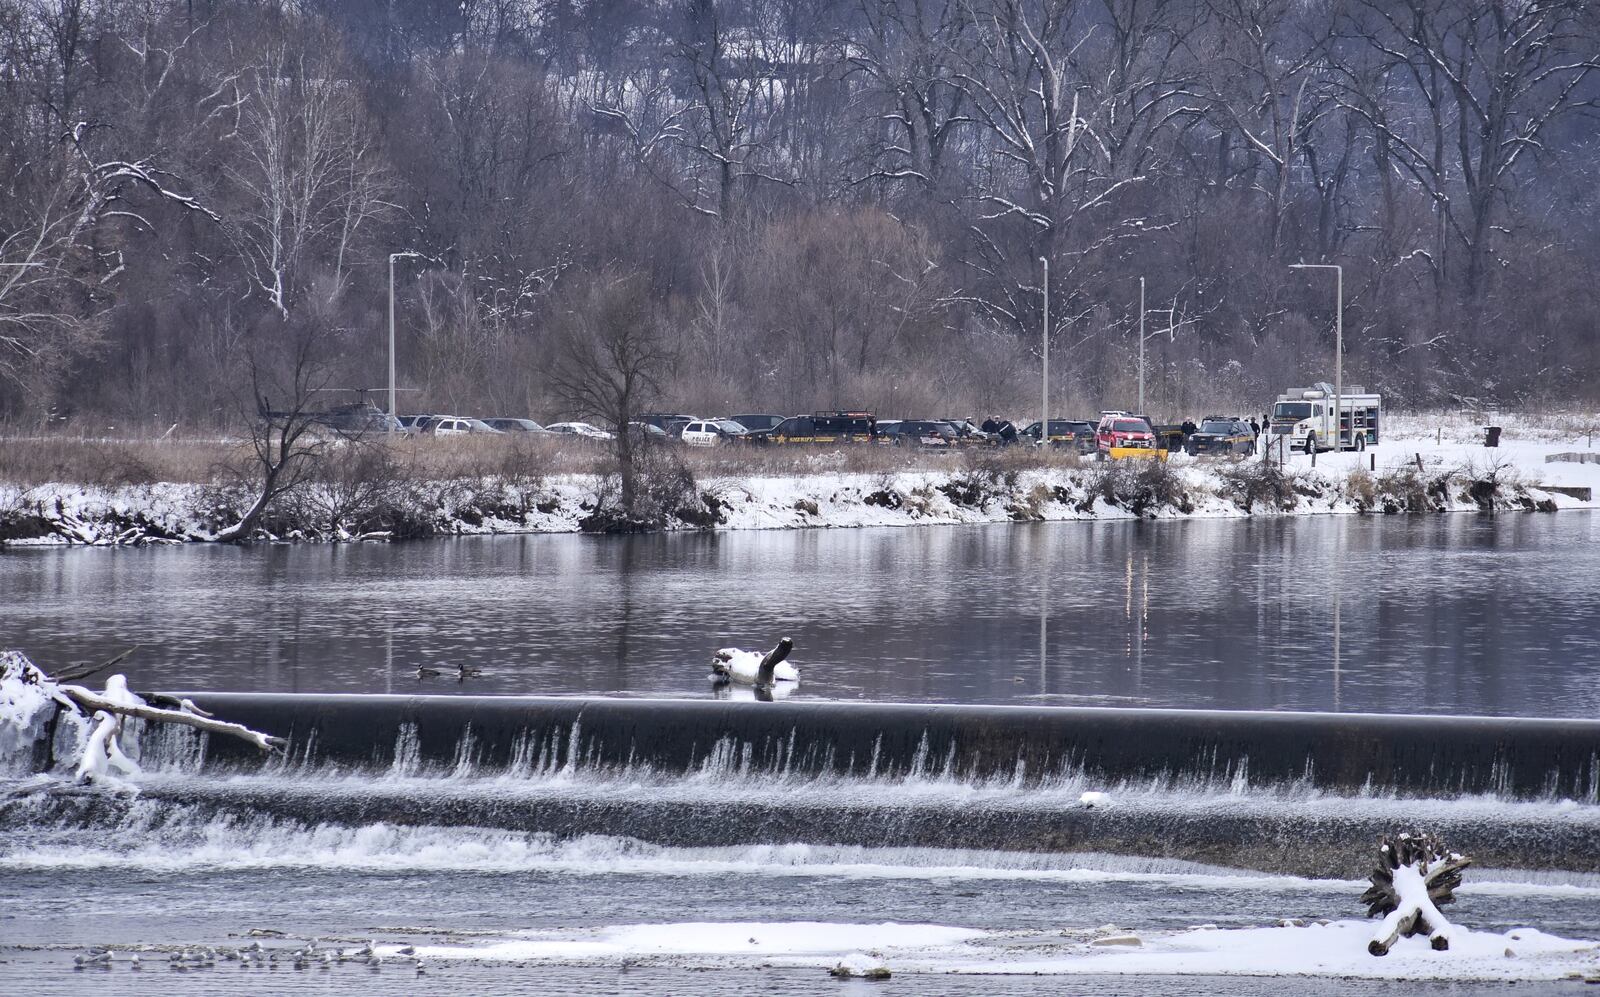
(1423,465)
(1334,949)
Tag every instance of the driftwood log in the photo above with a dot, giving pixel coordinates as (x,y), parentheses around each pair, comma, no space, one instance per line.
(82,671)
(729,665)
(78,699)
(91,702)
(773,659)
(1415,876)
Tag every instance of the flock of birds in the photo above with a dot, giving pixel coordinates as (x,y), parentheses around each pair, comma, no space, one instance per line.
(463,672)
(257,956)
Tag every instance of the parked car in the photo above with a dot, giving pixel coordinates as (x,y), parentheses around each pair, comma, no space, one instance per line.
(1221,435)
(412,423)
(439,425)
(450,425)
(757,423)
(1071,433)
(668,423)
(357,419)
(967,431)
(1169,436)
(823,427)
(516,425)
(644,432)
(582,429)
(712,432)
(1119,429)
(919,433)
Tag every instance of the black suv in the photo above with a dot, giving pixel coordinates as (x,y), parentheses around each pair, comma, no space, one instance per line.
(823,427)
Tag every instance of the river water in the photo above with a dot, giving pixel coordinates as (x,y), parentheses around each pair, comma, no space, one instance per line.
(1450,614)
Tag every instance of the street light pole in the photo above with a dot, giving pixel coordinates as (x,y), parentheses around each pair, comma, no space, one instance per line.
(1141,346)
(393,412)
(1044,400)
(1338,348)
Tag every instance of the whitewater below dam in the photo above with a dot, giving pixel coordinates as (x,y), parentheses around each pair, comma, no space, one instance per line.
(618,828)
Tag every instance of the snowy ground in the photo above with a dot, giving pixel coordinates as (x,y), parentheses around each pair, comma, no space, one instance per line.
(1435,448)
(1333,949)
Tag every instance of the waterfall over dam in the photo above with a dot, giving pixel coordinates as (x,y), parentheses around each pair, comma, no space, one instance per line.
(1298,793)
(1511,758)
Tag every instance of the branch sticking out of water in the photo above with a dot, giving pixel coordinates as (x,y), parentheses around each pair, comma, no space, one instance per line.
(89,702)
(31,691)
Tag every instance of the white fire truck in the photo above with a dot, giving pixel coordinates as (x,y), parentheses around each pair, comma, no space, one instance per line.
(1306,416)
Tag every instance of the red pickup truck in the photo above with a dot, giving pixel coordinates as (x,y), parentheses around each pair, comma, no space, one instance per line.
(1118,429)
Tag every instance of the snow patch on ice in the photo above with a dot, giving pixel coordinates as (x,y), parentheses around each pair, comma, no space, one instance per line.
(1336,949)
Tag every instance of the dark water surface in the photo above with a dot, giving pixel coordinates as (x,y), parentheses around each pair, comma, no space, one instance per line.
(1455,613)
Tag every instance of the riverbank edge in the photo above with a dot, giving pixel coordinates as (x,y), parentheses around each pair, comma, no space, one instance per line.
(136,515)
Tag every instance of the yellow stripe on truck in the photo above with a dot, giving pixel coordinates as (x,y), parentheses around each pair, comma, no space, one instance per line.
(1137,453)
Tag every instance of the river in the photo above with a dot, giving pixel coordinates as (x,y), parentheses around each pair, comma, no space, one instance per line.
(1448,614)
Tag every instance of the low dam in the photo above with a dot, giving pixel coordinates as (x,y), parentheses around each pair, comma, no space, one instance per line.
(1301,794)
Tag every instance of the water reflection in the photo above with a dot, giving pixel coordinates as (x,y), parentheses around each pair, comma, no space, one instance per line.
(1447,613)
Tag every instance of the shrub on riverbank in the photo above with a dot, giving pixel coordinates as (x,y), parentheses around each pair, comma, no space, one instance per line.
(666,495)
(1259,484)
(1142,487)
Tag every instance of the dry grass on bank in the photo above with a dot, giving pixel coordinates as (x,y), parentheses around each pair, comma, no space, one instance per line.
(27,460)
(31,461)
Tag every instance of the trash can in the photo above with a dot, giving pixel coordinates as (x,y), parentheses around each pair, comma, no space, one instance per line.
(1491,436)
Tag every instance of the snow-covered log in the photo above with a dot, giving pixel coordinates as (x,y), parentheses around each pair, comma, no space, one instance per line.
(731,664)
(103,755)
(87,700)
(1415,876)
(30,699)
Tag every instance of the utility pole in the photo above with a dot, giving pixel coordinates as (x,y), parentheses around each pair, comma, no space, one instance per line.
(1338,348)
(1141,346)
(1044,411)
(394,414)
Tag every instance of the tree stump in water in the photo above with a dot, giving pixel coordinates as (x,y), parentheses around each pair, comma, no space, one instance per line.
(1415,876)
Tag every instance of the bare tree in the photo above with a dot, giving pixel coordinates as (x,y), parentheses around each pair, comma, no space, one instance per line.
(1491,80)
(287,437)
(59,255)
(305,170)
(1267,82)
(909,58)
(611,361)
